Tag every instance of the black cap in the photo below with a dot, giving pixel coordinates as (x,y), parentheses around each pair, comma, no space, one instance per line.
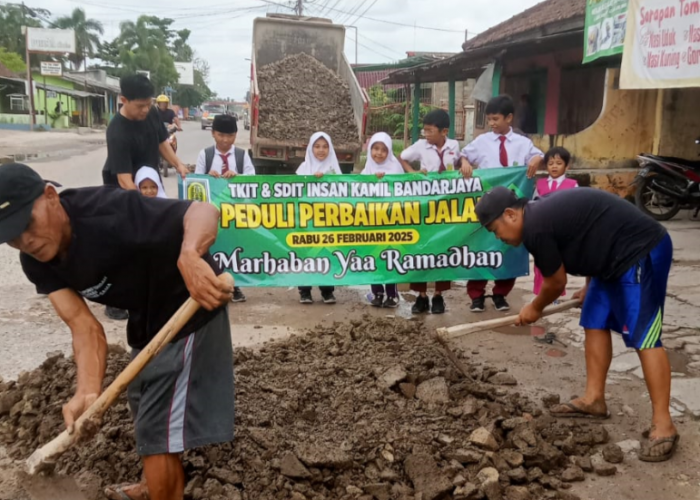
(20,186)
(494,203)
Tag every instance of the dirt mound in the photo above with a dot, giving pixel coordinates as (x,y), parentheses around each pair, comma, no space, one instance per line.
(300,96)
(368,409)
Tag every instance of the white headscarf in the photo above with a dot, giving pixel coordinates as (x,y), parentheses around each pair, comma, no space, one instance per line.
(390,166)
(150,173)
(313,165)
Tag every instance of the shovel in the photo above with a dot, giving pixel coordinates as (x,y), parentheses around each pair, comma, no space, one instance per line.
(48,487)
(443,335)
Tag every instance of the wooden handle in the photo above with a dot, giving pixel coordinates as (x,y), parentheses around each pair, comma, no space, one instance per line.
(55,448)
(467,328)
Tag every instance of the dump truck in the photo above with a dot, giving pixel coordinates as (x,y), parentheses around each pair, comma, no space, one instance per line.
(276,37)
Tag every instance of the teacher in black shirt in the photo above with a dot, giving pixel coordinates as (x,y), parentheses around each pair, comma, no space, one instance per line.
(136,137)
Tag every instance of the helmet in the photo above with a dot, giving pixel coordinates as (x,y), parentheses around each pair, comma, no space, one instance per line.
(162,98)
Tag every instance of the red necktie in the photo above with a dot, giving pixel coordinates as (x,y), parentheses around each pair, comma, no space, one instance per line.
(224,166)
(502,153)
(441,155)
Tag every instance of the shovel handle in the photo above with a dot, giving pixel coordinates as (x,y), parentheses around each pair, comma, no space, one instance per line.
(467,328)
(55,448)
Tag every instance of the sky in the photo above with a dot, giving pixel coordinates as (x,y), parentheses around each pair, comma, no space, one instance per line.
(222,31)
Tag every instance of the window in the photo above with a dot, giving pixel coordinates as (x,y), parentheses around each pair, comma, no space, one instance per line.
(480,115)
(18,102)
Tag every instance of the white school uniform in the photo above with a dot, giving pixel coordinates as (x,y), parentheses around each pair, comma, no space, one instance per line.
(390,166)
(150,173)
(484,151)
(217,162)
(429,156)
(313,165)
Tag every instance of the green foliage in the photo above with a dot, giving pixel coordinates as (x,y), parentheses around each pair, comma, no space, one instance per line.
(12,61)
(12,18)
(87,33)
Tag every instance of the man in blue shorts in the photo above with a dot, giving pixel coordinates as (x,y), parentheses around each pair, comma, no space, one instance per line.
(626,258)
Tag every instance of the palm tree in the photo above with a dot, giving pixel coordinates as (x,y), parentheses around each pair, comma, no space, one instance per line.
(86,35)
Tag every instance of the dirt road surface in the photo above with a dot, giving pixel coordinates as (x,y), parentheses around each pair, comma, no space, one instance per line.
(29,330)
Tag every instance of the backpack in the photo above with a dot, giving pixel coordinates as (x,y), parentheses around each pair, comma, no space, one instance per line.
(238,154)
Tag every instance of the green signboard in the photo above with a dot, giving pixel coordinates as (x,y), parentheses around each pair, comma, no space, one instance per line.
(606,24)
(357,229)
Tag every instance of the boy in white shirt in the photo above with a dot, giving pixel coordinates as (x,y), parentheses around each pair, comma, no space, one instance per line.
(500,148)
(225,160)
(436,153)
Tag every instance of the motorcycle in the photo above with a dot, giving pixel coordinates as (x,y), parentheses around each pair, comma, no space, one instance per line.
(172,139)
(665,185)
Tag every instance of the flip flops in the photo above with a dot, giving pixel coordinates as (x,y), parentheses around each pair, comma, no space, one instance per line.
(116,492)
(647,447)
(573,411)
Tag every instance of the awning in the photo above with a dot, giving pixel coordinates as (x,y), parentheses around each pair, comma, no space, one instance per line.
(64,91)
(471,63)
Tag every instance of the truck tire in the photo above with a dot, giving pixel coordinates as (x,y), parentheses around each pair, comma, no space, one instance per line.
(347,168)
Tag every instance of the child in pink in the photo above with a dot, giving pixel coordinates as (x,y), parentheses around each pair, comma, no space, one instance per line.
(557,161)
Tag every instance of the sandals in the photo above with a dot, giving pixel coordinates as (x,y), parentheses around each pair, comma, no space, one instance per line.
(116,492)
(645,453)
(570,410)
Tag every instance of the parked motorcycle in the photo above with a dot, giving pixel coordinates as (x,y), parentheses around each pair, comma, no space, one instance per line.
(666,185)
(172,139)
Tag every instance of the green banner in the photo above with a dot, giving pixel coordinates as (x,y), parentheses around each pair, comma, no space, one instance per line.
(606,24)
(357,229)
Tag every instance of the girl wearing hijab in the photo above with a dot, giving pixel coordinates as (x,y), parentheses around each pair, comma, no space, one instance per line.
(320,159)
(148,181)
(380,162)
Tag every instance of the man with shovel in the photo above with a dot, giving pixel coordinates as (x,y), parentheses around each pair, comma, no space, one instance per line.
(146,255)
(626,258)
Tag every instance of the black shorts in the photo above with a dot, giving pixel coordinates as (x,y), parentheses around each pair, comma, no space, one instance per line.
(184,397)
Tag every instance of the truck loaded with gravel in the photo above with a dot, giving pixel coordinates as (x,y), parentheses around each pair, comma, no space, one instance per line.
(302,83)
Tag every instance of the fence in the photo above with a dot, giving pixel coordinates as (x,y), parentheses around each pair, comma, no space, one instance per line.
(391,111)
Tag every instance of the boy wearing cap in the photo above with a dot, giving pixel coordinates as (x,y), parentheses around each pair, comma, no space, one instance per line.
(145,255)
(500,148)
(225,160)
(626,257)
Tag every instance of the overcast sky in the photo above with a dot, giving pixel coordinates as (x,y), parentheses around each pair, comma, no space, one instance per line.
(221,31)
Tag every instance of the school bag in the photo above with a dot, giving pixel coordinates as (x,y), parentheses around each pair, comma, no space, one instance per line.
(210,152)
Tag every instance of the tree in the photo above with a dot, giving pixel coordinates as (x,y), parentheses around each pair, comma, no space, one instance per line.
(12,61)
(193,95)
(86,35)
(144,45)
(12,18)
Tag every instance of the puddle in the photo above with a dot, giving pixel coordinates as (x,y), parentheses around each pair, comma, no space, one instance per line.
(679,361)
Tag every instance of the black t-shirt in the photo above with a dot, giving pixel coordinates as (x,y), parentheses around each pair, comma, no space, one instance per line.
(591,232)
(132,144)
(123,253)
(167,116)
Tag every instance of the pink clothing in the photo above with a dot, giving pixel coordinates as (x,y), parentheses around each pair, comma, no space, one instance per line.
(544,187)
(549,185)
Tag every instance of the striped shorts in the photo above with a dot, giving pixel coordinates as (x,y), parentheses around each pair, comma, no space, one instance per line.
(183,398)
(632,305)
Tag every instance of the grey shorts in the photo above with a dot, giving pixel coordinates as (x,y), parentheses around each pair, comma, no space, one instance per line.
(184,397)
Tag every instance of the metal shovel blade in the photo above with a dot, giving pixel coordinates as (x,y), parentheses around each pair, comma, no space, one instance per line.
(51,487)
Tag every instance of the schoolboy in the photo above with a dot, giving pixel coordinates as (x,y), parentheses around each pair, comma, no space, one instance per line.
(500,148)
(626,257)
(225,160)
(436,153)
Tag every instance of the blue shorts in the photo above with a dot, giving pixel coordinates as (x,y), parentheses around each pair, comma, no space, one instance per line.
(632,305)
